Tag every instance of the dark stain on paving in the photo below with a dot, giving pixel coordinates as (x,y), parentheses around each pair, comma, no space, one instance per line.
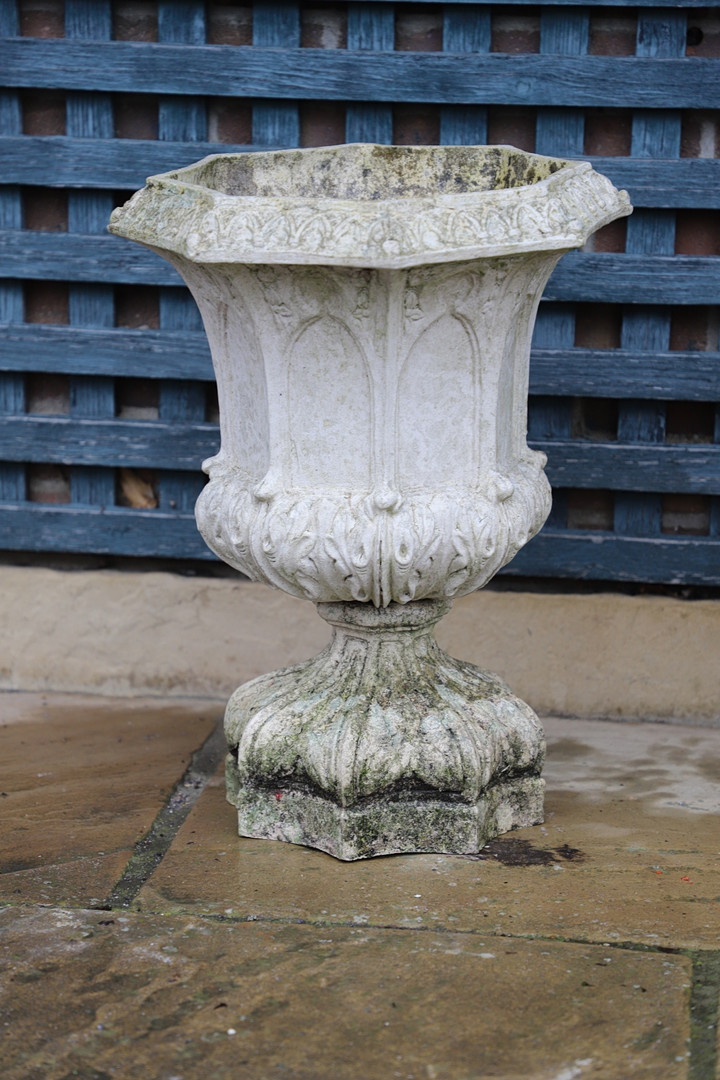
(567,749)
(709,768)
(516,852)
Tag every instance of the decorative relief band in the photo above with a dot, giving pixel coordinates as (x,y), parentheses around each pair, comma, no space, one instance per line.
(326,546)
(206,225)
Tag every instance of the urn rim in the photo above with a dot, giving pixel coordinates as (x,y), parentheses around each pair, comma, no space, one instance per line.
(400,207)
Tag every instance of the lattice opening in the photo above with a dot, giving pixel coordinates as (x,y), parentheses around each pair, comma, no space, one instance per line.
(137,399)
(136,489)
(594,419)
(46,302)
(45,209)
(47,394)
(41,18)
(612,33)
(48,483)
(135,116)
(43,112)
(137,307)
(134,20)
(690,422)
(608,132)
(598,326)
(686,515)
(515,31)
(229,24)
(591,510)
(418,30)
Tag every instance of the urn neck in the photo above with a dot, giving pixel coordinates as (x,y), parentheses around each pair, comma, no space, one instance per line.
(374,629)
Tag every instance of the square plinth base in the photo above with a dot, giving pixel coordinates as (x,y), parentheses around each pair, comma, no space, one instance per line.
(389,827)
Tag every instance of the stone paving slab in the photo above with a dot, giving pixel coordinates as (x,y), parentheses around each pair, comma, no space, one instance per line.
(82,780)
(628,853)
(93,994)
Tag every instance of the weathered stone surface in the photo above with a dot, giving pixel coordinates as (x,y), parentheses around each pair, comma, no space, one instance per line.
(370,206)
(348,971)
(356,298)
(370,311)
(383,743)
(96,994)
(82,780)
(628,852)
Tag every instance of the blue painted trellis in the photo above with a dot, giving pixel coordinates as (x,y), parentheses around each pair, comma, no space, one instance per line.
(638,468)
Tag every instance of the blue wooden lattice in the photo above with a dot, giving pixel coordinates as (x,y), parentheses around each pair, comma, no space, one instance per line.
(637,471)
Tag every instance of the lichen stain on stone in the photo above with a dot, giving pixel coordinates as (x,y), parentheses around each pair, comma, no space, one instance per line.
(370,172)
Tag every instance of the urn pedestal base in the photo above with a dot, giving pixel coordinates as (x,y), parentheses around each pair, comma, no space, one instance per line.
(385,826)
(383,743)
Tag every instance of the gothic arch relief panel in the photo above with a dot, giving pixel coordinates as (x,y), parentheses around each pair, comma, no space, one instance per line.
(329,415)
(437,408)
(240,370)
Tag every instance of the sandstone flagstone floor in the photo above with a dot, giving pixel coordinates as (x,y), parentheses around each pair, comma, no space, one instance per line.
(141,938)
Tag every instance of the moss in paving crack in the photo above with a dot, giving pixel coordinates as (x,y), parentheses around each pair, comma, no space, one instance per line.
(704,1007)
(150,850)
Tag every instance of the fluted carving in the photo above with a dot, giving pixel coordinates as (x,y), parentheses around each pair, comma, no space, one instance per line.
(384,712)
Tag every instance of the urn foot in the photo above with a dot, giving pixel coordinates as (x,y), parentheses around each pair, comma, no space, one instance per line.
(383,744)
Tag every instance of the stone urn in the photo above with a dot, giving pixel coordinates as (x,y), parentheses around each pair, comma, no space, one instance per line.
(369,311)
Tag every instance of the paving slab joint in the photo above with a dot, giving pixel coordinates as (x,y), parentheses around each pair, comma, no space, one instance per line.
(150,850)
(704,1015)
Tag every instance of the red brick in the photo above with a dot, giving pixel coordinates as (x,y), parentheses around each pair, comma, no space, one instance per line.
(416,125)
(515,33)
(697,232)
(694,328)
(137,307)
(703,33)
(608,132)
(45,209)
(597,326)
(610,238)
(613,35)
(511,126)
(322,125)
(229,24)
(136,116)
(46,302)
(42,18)
(323,28)
(418,32)
(43,112)
(229,121)
(134,20)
